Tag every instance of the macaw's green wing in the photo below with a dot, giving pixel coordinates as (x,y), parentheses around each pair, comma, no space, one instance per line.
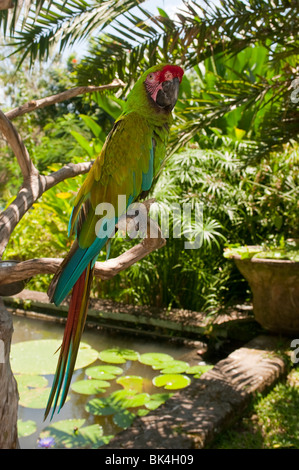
(125,167)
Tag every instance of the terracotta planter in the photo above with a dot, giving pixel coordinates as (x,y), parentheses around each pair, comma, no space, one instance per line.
(275,288)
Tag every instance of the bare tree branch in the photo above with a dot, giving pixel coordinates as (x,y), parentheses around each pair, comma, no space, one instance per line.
(6,4)
(13,138)
(64,96)
(105,270)
(68,171)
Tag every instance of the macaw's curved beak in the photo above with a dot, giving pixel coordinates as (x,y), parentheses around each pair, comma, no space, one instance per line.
(168,95)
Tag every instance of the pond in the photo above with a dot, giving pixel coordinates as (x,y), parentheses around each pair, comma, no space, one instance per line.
(119,377)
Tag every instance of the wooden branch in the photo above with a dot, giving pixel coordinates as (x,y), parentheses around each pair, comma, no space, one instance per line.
(105,270)
(58,98)
(6,4)
(68,171)
(13,138)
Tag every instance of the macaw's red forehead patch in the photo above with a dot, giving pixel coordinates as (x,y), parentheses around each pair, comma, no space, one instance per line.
(171,71)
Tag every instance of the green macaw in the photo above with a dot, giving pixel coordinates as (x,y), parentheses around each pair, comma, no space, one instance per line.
(130,158)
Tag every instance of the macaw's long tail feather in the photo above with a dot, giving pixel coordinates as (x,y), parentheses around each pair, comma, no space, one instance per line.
(55,279)
(71,340)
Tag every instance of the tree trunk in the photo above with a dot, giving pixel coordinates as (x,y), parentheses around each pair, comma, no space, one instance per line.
(8,387)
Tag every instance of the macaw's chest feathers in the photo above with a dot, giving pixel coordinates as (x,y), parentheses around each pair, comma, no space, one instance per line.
(129,160)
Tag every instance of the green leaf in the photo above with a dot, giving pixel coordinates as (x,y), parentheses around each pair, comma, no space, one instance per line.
(198,370)
(157,399)
(109,104)
(171,381)
(26,428)
(102,406)
(93,126)
(162,13)
(34,397)
(174,367)
(39,356)
(124,418)
(90,387)
(118,355)
(157,360)
(85,144)
(129,398)
(103,372)
(131,382)
(240,133)
(32,381)
(116,402)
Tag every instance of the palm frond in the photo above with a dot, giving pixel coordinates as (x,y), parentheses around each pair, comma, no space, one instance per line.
(199,32)
(63,24)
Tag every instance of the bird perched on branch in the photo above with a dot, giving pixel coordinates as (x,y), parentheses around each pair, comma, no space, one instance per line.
(130,158)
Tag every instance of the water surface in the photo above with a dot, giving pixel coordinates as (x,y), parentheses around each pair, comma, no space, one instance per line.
(26,329)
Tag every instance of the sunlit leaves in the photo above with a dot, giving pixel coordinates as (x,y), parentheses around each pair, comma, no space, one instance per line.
(60,24)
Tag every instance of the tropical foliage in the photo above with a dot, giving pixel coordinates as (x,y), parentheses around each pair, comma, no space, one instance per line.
(232,151)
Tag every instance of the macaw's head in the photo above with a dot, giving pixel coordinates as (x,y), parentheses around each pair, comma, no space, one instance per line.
(162,85)
(157,89)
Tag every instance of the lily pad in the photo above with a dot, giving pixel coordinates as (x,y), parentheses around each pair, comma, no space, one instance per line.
(197,371)
(131,382)
(129,398)
(116,402)
(71,433)
(157,399)
(124,418)
(174,367)
(32,381)
(118,355)
(142,412)
(27,382)
(171,381)
(156,360)
(38,356)
(90,387)
(26,428)
(33,390)
(103,372)
(34,397)
(102,406)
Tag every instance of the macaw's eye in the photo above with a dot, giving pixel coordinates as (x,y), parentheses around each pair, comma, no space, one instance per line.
(151,77)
